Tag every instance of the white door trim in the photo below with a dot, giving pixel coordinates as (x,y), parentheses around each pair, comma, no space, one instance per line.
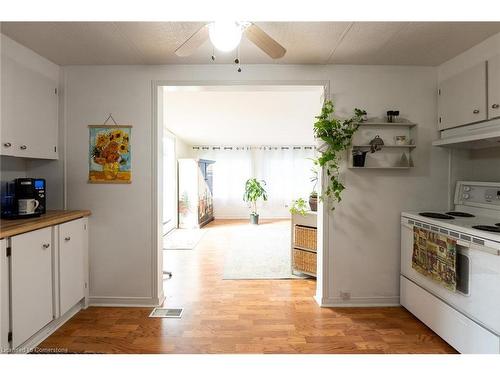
(323,209)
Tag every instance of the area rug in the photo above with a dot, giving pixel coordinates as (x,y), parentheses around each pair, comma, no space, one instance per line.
(259,252)
(182,239)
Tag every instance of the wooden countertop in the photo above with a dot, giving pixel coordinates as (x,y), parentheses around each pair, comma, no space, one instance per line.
(9,228)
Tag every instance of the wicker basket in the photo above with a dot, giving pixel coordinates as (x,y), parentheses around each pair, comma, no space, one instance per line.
(305,237)
(304,261)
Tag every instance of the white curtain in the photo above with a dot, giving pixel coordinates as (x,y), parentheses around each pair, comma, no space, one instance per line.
(285,169)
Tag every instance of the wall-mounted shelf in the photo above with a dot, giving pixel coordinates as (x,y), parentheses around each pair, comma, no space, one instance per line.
(384,123)
(391,156)
(380,167)
(385,146)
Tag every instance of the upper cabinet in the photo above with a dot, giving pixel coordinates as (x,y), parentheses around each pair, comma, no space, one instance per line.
(494,87)
(29,113)
(462,98)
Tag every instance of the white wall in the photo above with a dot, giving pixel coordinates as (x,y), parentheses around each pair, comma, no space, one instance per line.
(364,239)
(51,170)
(228,115)
(473,165)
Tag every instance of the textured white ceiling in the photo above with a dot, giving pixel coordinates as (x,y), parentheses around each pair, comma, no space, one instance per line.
(226,115)
(379,43)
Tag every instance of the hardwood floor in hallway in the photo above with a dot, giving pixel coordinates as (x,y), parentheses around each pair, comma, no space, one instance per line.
(241,316)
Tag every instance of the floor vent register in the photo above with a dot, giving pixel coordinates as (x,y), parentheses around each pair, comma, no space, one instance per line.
(162,312)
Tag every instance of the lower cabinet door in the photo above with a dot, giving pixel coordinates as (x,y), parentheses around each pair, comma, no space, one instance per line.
(31,278)
(71,264)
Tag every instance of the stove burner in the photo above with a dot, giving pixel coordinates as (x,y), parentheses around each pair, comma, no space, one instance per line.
(487,228)
(459,214)
(436,215)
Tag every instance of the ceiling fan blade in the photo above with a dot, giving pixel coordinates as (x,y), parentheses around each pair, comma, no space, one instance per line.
(193,42)
(262,40)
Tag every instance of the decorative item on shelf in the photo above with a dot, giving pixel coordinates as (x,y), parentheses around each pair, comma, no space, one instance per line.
(110,153)
(400,140)
(358,158)
(392,116)
(299,207)
(403,162)
(336,137)
(376,144)
(254,190)
(313,201)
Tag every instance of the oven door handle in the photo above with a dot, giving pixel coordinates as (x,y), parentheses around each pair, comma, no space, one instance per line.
(474,247)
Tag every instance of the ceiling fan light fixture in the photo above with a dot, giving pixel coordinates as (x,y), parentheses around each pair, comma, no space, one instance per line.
(225,35)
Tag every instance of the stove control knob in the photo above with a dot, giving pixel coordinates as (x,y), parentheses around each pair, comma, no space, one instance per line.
(466,188)
(465,196)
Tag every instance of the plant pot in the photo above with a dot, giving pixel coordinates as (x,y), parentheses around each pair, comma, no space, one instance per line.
(313,203)
(359,158)
(254,219)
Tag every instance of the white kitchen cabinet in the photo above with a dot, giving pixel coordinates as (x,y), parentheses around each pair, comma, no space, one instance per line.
(494,87)
(462,98)
(29,108)
(4,296)
(72,277)
(31,283)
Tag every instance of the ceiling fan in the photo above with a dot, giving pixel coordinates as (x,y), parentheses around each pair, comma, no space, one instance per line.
(226,36)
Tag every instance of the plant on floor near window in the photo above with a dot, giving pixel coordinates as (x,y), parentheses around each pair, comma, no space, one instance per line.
(299,207)
(336,135)
(254,190)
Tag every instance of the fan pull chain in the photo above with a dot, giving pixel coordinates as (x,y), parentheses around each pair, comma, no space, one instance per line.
(213,53)
(237,59)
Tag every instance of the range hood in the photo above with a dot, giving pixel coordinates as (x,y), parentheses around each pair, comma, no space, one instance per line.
(481,135)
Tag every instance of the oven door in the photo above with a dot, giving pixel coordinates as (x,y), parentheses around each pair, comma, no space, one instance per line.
(478,280)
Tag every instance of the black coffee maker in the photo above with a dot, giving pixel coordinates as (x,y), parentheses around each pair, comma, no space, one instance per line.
(23,198)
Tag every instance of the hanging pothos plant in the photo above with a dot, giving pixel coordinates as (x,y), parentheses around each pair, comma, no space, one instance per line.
(336,135)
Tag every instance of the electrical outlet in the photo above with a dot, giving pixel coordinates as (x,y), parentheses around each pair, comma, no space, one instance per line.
(345,295)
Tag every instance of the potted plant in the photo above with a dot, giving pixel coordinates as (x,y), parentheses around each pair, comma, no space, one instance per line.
(254,190)
(313,197)
(313,201)
(335,136)
(299,207)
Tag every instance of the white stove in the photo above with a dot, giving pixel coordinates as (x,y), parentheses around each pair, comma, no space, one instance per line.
(468,318)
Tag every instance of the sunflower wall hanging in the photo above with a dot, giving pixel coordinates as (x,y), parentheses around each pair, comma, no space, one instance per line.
(110,154)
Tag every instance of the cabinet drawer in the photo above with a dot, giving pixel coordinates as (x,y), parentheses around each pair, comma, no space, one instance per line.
(459,331)
(31,283)
(304,261)
(305,237)
(71,264)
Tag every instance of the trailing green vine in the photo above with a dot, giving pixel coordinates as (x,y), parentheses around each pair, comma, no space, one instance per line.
(337,136)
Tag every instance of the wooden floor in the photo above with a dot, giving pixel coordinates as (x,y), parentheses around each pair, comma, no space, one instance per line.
(241,316)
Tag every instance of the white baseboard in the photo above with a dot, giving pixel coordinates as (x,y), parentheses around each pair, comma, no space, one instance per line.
(360,302)
(46,331)
(125,301)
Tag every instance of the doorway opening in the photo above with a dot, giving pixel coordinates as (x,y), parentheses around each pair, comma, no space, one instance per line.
(223,136)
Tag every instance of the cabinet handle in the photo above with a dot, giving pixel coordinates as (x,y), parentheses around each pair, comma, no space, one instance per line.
(23,147)
(7,144)
(67,238)
(46,245)
(476,111)
(495,106)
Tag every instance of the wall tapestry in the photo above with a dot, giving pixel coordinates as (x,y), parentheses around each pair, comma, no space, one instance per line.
(110,154)
(435,256)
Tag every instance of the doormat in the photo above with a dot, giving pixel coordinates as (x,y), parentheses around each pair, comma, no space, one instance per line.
(182,239)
